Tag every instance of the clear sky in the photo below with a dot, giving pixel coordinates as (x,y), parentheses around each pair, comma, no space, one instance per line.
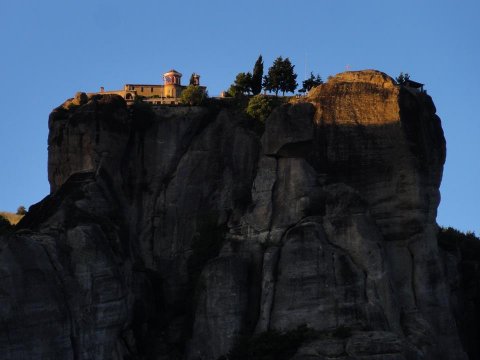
(51,49)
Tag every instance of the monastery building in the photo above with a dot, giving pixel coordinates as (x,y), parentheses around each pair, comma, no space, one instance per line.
(168,93)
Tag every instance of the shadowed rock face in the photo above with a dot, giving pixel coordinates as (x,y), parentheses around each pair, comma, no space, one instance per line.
(171,233)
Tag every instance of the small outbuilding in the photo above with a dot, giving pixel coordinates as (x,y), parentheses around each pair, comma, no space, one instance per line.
(413,85)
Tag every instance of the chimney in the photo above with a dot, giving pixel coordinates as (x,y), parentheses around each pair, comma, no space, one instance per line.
(102,89)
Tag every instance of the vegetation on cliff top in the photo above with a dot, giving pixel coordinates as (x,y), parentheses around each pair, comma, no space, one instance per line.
(311,82)
(467,243)
(193,95)
(261,106)
(280,77)
(402,78)
(246,83)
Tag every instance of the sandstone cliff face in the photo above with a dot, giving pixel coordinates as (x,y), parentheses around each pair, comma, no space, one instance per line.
(173,232)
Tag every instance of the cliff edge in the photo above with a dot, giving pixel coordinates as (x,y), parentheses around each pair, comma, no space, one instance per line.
(181,232)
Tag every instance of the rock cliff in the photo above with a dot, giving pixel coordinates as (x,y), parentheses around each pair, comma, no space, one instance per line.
(178,232)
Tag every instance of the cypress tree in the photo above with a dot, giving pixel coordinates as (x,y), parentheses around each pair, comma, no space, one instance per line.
(257,76)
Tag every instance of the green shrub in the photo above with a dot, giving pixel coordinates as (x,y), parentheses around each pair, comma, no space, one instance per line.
(260,107)
(193,95)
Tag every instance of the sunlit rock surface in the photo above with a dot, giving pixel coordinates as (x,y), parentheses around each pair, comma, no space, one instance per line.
(173,232)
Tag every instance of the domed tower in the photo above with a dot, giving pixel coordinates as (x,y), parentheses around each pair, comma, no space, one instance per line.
(172,84)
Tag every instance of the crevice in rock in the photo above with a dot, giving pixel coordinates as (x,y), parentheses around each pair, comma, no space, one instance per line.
(61,282)
(272,199)
(335,284)
(275,281)
(412,281)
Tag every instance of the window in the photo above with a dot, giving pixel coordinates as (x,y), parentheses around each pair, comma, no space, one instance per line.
(151,89)
(141,89)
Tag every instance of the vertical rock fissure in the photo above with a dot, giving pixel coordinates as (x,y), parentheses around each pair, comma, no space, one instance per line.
(335,286)
(413,282)
(73,337)
(97,124)
(272,199)
(274,287)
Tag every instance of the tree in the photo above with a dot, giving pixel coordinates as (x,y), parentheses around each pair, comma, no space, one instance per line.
(260,107)
(281,77)
(193,95)
(233,91)
(402,78)
(271,81)
(311,82)
(288,81)
(21,210)
(257,75)
(266,84)
(242,84)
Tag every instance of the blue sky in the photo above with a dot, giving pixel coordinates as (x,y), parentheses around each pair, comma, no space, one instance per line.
(51,49)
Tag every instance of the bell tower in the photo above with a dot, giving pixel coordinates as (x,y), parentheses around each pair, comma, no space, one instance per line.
(172,83)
